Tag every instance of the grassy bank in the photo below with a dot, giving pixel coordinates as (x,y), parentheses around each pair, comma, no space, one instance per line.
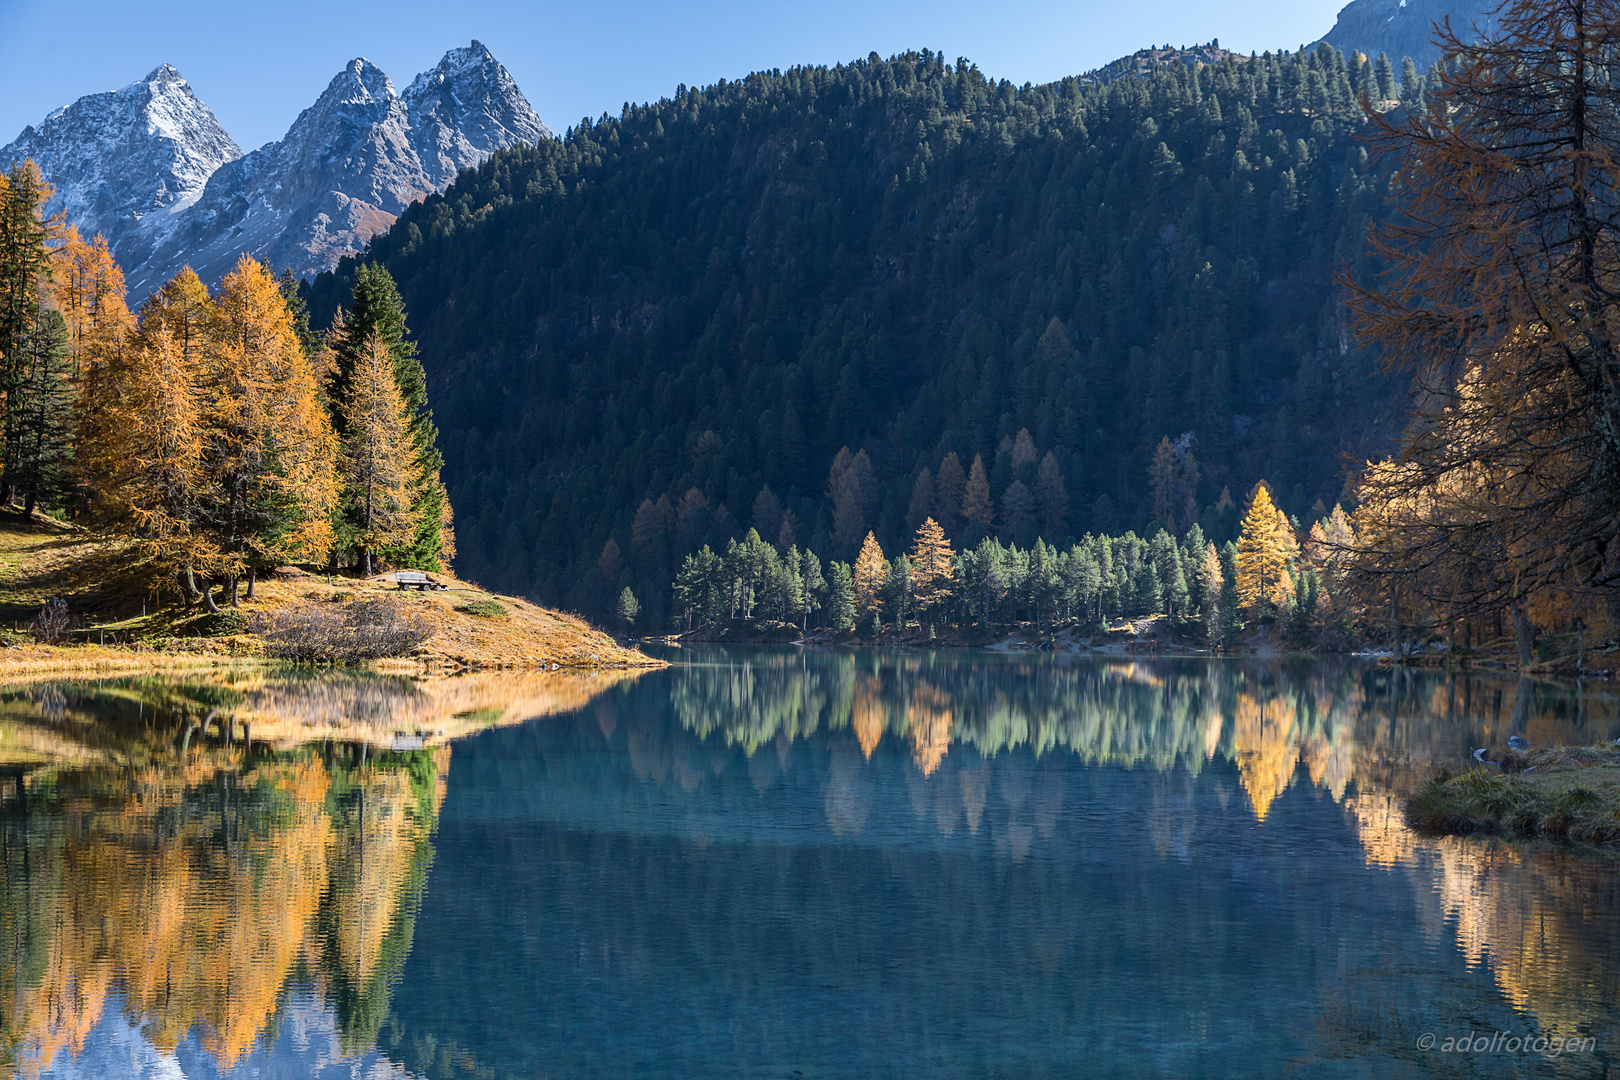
(1562,793)
(127,619)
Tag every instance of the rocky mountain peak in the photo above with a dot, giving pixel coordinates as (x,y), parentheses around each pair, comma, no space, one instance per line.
(347,167)
(128,159)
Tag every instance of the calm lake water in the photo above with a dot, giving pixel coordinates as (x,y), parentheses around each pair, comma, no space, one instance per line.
(777,864)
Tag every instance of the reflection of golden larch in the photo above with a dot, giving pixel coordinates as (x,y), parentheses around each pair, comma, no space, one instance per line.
(1266,756)
(1519,914)
(1381,827)
(1213,722)
(867,718)
(1330,763)
(198,937)
(371,856)
(929,724)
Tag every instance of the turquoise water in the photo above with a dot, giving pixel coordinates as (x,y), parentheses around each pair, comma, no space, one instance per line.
(817,865)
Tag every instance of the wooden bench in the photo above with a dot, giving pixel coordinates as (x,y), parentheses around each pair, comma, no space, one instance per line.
(414,579)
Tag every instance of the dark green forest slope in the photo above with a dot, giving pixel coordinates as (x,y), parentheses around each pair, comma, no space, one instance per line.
(711,294)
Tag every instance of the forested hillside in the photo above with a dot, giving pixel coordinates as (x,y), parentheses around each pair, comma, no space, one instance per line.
(632,332)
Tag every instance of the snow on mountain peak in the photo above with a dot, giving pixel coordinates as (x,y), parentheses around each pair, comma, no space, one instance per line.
(143,152)
(347,167)
(149,166)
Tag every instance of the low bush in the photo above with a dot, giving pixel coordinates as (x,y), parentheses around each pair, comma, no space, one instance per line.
(54,622)
(320,633)
(484,609)
(227,622)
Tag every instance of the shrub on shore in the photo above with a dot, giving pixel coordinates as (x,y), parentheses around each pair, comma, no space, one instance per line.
(1567,793)
(370,630)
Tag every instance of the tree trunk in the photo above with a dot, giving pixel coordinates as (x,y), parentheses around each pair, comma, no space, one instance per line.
(208,596)
(365,563)
(1524,635)
(188,586)
(230,589)
(29,503)
(253,579)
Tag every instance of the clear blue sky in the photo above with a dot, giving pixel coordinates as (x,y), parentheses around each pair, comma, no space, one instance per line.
(258,64)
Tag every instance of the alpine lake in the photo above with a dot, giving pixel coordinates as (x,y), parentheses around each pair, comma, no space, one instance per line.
(791,864)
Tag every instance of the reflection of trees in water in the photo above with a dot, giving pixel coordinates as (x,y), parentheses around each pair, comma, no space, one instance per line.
(195,893)
(140,720)
(1336,720)
(1521,910)
(1359,734)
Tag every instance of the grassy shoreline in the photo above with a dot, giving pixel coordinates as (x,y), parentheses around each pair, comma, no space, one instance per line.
(123,628)
(1566,794)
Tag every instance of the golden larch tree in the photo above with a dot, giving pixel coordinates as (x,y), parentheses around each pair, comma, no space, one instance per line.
(271,445)
(871,571)
(933,573)
(141,435)
(976,502)
(89,291)
(378,456)
(1267,549)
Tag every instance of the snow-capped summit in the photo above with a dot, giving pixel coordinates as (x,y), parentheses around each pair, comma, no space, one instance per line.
(465,109)
(127,160)
(347,167)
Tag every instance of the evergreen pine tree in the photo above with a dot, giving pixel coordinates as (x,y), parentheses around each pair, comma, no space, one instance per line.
(1384,79)
(841,598)
(40,458)
(375,307)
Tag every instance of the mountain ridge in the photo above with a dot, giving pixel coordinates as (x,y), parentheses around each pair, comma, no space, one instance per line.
(345,169)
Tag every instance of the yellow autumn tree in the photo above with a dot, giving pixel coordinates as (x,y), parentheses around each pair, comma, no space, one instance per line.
(378,457)
(271,449)
(933,574)
(141,437)
(871,571)
(977,505)
(1267,549)
(89,291)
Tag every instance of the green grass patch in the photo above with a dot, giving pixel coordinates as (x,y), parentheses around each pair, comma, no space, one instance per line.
(1568,794)
(484,609)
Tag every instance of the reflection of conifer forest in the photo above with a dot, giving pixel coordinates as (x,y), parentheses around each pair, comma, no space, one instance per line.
(764,797)
(194,895)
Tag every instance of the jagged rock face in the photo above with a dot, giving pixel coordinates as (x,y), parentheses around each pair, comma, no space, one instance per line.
(345,170)
(464,110)
(128,161)
(1403,28)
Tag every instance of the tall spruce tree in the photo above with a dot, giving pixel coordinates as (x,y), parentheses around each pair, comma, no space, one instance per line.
(38,457)
(26,235)
(375,309)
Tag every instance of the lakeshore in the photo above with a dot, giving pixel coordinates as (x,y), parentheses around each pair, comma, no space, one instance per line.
(125,625)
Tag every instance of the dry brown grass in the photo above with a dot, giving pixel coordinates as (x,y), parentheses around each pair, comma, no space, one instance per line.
(131,621)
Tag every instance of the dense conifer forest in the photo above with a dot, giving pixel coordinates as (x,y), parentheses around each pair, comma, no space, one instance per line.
(792,301)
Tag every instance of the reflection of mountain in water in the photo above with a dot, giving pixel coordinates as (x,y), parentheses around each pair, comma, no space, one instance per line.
(187,899)
(864,858)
